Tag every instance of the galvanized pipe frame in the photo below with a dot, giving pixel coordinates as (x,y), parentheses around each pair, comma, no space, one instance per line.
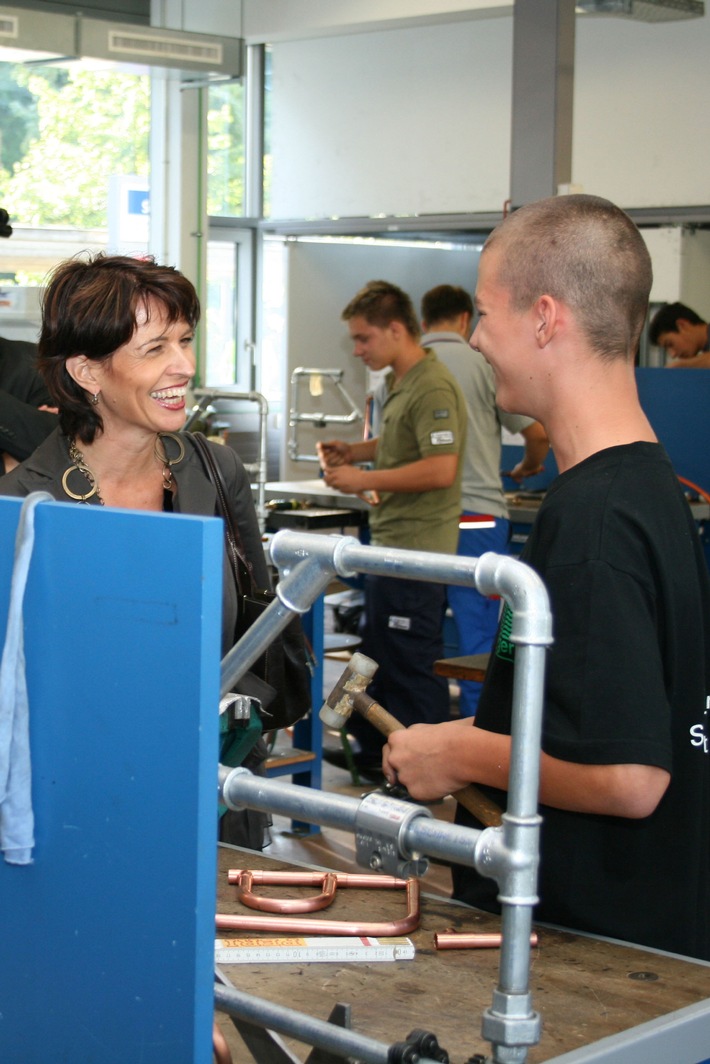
(509,853)
(296,418)
(259,468)
(414,832)
(340,1041)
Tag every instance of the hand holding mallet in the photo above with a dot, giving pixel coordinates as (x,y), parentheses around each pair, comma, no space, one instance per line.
(349,694)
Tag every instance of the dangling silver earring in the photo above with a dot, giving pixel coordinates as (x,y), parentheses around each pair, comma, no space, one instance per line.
(95,399)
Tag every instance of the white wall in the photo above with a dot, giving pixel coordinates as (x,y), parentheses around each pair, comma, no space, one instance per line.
(417,120)
(415,117)
(641,130)
(401,122)
(277,20)
(681,266)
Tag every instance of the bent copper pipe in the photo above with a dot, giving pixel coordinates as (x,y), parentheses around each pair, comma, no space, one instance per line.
(299,926)
(478,940)
(313,904)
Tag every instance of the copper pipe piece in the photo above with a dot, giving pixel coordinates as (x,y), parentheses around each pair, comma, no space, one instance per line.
(313,904)
(358,880)
(299,926)
(478,940)
(220,1048)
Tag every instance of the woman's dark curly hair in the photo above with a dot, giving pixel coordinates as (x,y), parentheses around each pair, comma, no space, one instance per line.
(89,308)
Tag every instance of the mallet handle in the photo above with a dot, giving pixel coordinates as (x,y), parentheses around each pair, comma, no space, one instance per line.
(470,797)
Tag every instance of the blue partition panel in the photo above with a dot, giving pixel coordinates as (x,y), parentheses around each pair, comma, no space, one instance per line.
(107,939)
(676,402)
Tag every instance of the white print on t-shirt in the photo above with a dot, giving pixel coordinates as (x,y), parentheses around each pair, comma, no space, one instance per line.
(403,624)
(698,736)
(438,438)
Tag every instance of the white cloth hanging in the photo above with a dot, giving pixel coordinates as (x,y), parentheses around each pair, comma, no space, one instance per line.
(16,814)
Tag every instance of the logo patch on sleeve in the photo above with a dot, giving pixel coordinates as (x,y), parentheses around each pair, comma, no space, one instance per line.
(444,412)
(402,624)
(441,438)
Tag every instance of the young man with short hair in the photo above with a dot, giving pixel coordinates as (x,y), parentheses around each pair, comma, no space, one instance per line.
(683,335)
(562,296)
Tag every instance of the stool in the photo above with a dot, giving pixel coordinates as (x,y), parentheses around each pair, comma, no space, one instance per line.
(337,642)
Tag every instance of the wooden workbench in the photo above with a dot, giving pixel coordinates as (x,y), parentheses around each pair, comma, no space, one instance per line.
(586,989)
(466,667)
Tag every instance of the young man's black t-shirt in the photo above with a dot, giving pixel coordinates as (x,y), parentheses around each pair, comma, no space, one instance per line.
(626,683)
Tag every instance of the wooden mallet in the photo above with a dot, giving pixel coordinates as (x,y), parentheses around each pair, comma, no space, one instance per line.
(349,694)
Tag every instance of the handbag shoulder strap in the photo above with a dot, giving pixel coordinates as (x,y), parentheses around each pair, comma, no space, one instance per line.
(243,575)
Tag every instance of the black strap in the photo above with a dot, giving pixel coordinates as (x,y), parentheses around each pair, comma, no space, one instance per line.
(241,569)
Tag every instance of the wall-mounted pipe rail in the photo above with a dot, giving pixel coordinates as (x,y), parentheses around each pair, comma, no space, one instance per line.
(205,396)
(297,417)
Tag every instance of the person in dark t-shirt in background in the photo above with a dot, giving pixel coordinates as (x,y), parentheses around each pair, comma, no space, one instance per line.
(562,295)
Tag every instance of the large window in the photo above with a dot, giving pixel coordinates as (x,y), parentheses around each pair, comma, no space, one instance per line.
(74,174)
(225,150)
(68,133)
(228,313)
(73,163)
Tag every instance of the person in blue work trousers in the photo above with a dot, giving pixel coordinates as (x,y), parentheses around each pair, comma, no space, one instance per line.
(447,317)
(416,475)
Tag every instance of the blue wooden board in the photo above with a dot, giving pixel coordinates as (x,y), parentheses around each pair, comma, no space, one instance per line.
(677,402)
(107,938)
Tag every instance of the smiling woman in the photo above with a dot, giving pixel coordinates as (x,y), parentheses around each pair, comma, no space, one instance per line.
(115,351)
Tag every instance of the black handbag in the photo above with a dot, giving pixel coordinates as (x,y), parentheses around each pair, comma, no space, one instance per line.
(281,677)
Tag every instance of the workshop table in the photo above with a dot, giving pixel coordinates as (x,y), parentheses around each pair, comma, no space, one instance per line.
(586,989)
(465,667)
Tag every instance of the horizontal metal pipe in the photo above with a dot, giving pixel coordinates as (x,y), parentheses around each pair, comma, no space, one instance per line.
(239,789)
(325,419)
(491,573)
(339,1040)
(316,371)
(297,926)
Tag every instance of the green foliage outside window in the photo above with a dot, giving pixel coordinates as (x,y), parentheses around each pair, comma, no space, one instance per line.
(65,132)
(225,156)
